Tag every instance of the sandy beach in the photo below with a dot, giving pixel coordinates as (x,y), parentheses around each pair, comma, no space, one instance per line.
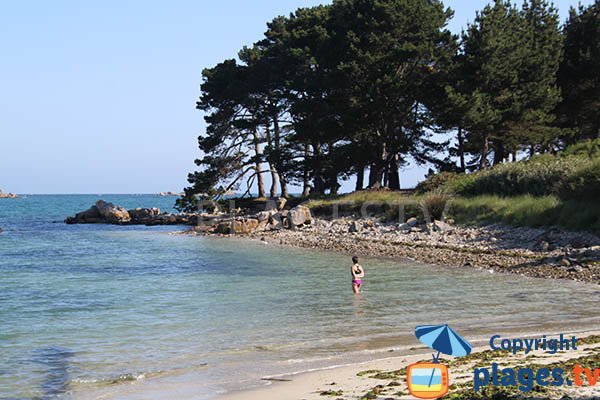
(386,378)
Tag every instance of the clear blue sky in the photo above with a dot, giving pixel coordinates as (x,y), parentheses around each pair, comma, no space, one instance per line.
(99,97)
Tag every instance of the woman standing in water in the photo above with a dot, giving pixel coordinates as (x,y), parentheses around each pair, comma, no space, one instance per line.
(358,272)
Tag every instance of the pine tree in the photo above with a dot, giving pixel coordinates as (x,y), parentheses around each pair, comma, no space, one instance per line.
(579,74)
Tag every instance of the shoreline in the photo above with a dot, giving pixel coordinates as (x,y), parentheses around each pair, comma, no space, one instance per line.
(494,248)
(386,377)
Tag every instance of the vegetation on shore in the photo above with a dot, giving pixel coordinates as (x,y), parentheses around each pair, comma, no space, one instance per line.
(462,371)
(525,210)
(334,91)
(547,190)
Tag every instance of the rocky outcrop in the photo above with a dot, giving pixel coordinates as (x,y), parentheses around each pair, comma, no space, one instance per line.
(271,219)
(237,226)
(299,215)
(8,195)
(89,216)
(143,215)
(107,213)
(112,214)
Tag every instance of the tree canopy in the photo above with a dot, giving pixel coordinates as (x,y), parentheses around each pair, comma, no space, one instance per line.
(334,91)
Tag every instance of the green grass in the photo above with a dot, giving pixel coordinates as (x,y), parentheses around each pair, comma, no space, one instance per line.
(573,174)
(524,210)
(532,211)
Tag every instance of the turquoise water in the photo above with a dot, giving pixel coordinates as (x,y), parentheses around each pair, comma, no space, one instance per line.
(96,308)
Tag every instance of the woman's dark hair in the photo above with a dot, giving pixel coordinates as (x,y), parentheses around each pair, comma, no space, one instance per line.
(355,259)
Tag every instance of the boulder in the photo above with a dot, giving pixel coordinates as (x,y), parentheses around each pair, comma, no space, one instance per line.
(354,227)
(299,215)
(404,228)
(111,213)
(171,219)
(412,222)
(237,227)
(142,215)
(264,216)
(89,216)
(276,204)
(441,226)
(275,222)
(281,202)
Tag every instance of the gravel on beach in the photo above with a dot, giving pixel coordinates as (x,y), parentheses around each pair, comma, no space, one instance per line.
(547,253)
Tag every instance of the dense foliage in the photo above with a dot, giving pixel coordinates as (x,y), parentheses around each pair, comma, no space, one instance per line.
(333,91)
(570,175)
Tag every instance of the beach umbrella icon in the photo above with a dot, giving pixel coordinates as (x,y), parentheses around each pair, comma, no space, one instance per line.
(443,339)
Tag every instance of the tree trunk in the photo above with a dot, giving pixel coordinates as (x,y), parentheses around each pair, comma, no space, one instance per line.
(461,151)
(279,163)
(306,173)
(499,153)
(375,175)
(274,178)
(318,186)
(259,176)
(376,170)
(394,174)
(483,163)
(360,178)
(333,184)
(386,175)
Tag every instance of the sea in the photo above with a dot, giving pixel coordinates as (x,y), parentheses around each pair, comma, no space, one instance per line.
(103,311)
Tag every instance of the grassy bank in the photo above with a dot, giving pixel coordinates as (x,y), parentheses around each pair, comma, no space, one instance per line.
(533,211)
(523,210)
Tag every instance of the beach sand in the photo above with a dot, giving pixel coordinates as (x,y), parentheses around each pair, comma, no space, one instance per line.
(386,379)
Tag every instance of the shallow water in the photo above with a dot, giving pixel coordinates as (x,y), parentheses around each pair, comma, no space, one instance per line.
(84,307)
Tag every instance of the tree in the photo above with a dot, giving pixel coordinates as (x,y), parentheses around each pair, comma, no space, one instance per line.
(579,74)
(508,67)
(387,52)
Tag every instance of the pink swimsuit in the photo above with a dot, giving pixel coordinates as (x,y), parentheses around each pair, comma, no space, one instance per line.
(357,281)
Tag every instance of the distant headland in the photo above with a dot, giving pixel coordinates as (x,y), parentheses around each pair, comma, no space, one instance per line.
(7,195)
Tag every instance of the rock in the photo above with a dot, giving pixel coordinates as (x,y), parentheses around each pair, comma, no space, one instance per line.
(275,222)
(564,262)
(142,215)
(412,222)
(543,246)
(264,216)
(89,216)
(108,213)
(281,202)
(441,226)
(354,227)
(8,195)
(368,224)
(299,215)
(237,227)
(404,228)
(111,213)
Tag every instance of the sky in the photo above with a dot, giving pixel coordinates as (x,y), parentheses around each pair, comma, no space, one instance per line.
(99,97)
